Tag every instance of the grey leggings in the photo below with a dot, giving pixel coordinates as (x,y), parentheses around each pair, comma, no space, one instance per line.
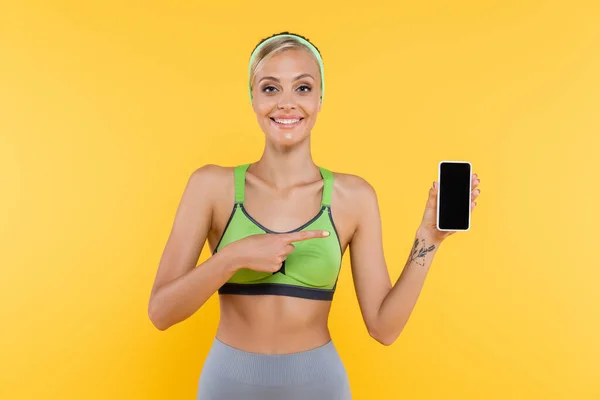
(230,374)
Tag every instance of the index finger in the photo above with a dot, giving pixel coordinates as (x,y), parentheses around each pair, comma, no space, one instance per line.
(304,235)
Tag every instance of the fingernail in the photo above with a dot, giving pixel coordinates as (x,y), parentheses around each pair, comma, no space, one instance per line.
(326,233)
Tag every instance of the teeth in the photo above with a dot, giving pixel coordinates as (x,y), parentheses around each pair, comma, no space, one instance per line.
(286,121)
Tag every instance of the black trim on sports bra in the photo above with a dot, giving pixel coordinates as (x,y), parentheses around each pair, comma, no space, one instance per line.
(313,219)
(335,230)
(277,289)
(235,205)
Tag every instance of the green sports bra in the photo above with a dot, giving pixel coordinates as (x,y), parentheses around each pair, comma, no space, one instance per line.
(311,271)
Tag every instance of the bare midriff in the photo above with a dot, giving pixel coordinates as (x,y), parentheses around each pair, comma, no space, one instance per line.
(270,324)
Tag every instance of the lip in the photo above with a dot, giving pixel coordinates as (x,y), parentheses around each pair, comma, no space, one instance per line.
(288,126)
(287,117)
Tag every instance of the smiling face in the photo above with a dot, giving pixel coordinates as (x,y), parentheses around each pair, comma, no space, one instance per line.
(286,95)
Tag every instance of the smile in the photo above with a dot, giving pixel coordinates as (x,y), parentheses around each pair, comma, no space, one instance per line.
(286,123)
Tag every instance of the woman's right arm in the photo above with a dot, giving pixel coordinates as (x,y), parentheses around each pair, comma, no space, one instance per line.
(180,288)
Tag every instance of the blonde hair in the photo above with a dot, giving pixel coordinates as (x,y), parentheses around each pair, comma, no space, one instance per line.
(277,45)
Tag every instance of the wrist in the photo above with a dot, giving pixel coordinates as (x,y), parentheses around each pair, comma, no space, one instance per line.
(428,236)
(230,260)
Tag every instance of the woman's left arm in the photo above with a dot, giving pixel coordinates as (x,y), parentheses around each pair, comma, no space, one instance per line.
(386,308)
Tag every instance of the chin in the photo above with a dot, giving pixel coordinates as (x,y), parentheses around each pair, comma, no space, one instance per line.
(287,135)
(287,139)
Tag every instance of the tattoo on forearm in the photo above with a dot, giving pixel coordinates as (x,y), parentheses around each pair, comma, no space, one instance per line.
(418,254)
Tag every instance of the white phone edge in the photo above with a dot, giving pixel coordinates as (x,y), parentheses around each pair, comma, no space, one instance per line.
(437,222)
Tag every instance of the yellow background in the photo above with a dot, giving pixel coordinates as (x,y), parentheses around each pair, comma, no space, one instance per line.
(106,108)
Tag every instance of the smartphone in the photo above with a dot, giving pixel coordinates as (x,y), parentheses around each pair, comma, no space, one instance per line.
(454,196)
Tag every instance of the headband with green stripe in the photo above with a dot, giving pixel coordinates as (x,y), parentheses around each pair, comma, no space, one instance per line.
(305,42)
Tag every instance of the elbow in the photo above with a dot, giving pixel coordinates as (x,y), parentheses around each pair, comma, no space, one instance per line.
(384,338)
(158,325)
(157,316)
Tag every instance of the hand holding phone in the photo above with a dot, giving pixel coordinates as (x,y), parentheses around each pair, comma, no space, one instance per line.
(454,196)
(450,202)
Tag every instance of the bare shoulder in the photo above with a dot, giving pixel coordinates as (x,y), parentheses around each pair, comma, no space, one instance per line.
(210,173)
(353,187)
(353,200)
(210,180)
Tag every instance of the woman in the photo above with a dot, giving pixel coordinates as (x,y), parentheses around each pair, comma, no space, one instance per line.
(278,228)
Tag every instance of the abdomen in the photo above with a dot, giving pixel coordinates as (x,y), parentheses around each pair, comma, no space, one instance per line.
(273,324)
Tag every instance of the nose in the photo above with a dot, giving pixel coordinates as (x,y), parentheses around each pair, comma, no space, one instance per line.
(286,101)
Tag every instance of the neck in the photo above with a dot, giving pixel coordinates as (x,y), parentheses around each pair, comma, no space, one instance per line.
(288,166)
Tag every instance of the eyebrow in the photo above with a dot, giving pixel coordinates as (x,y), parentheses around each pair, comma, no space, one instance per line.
(277,80)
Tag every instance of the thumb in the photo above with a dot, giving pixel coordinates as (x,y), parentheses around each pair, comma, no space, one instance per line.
(304,235)
(433,192)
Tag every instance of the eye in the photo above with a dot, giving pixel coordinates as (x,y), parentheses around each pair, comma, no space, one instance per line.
(268,88)
(304,88)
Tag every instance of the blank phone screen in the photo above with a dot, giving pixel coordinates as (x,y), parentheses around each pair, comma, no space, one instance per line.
(454,196)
